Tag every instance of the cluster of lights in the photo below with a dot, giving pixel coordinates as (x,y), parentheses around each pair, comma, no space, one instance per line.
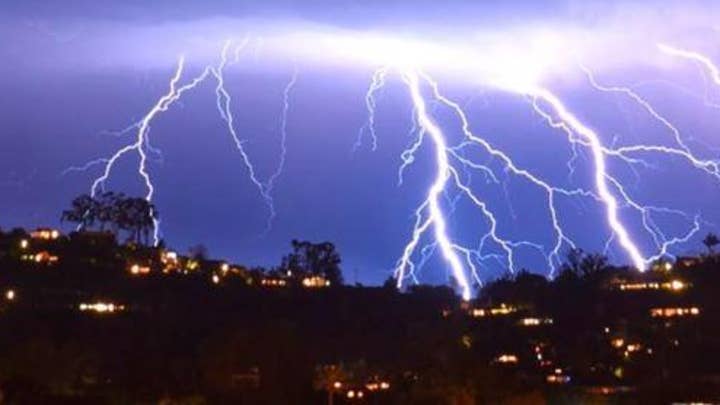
(170,261)
(557,377)
(378,386)
(137,270)
(540,358)
(535,321)
(629,348)
(507,359)
(315,282)
(503,309)
(663,266)
(273,282)
(352,394)
(635,348)
(674,312)
(101,307)
(43,257)
(192,265)
(674,285)
(45,234)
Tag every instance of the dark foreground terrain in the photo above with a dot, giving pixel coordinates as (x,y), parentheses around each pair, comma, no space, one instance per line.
(86,320)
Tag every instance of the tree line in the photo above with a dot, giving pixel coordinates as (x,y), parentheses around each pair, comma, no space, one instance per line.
(114,212)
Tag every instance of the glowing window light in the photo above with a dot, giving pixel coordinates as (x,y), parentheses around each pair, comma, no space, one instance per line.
(101,307)
(273,282)
(507,359)
(503,309)
(45,257)
(535,321)
(45,234)
(137,269)
(674,312)
(617,343)
(677,285)
(557,379)
(315,282)
(674,285)
(24,244)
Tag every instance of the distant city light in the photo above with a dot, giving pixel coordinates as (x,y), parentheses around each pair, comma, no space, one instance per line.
(10,295)
(315,282)
(557,379)
(503,309)
(46,234)
(273,282)
(137,269)
(673,285)
(507,359)
(535,321)
(101,307)
(674,312)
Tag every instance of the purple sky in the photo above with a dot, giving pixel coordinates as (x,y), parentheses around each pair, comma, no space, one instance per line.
(72,73)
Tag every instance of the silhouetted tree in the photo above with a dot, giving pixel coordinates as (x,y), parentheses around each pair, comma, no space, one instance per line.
(314,258)
(145,216)
(584,264)
(134,215)
(198,252)
(108,206)
(710,241)
(390,284)
(83,211)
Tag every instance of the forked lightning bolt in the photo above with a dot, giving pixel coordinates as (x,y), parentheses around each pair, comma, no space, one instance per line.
(454,167)
(141,145)
(607,189)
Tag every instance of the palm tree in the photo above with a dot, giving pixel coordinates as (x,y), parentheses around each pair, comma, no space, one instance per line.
(83,211)
(137,216)
(109,204)
(710,241)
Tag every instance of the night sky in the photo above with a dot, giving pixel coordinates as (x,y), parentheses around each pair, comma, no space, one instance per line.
(73,75)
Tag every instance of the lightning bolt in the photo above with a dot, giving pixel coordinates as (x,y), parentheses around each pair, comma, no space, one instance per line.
(607,189)
(377,83)
(283,130)
(434,216)
(454,167)
(141,129)
(703,60)
(224,101)
(141,143)
(711,167)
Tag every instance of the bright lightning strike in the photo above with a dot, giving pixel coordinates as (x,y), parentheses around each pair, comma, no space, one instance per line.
(141,146)
(500,69)
(703,60)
